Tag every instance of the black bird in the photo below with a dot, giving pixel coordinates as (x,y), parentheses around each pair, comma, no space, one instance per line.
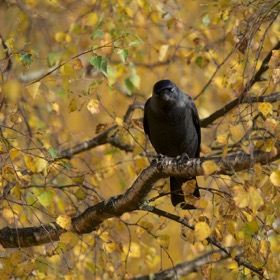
(172,123)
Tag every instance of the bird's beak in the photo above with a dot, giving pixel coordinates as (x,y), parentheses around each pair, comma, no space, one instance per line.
(165,95)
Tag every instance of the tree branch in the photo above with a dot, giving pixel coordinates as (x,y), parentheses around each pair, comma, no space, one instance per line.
(182,269)
(132,198)
(228,107)
(225,250)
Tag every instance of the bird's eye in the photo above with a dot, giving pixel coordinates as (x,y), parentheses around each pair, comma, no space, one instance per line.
(172,90)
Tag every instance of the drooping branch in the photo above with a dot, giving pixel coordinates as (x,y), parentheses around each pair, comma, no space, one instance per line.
(182,269)
(225,250)
(234,103)
(109,136)
(133,198)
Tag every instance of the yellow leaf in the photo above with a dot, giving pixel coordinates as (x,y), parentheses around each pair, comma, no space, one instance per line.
(255,199)
(270,124)
(236,133)
(64,221)
(69,238)
(59,36)
(209,167)
(105,236)
(240,196)
(264,248)
(77,64)
(275,178)
(134,250)
(119,121)
(79,179)
(276,75)
(16,258)
(92,19)
(67,70)
(215,257)
(147,225)
(35,164)
(72,105)
(201,231)
(68,276)
(232,265)
(33,89)
(162,52)
(110,247)
(93,106)
(222,139)
(265,108)
(16,118)
(12,90)
(8,215)
(163,240)
(201,203)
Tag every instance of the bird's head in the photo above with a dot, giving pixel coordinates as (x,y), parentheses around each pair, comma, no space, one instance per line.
(165,91)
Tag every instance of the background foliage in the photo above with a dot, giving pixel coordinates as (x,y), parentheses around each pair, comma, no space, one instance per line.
(69,71)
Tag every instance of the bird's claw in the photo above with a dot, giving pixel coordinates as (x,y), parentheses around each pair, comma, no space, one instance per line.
(182,158)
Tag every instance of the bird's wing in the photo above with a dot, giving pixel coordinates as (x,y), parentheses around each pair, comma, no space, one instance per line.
(145,121)
(196,123)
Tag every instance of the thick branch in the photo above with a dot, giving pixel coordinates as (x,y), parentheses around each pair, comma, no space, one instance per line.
(133,198)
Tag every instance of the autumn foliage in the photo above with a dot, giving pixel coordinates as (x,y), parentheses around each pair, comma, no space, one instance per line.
(82,192)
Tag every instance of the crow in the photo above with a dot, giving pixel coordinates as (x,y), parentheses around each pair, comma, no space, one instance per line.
(171,122)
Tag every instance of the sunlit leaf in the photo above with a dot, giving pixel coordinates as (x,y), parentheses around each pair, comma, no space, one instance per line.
(209,167)
(93,106)
(35,164)
(162,52)
(240,196)
(201,231)
(92,19)
(33,89)
(265,108)
(14,153)
(275,178)
(134,250)
(64,221)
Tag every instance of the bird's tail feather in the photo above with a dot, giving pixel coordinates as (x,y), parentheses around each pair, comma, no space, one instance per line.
(177,195)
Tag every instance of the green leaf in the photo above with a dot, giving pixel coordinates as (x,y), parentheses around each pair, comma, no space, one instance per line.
(53,58)
(100,63)
(53,152)
(129,85)
(26,59)
(46,198)
(206,20)
(123,54)
(251,228)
